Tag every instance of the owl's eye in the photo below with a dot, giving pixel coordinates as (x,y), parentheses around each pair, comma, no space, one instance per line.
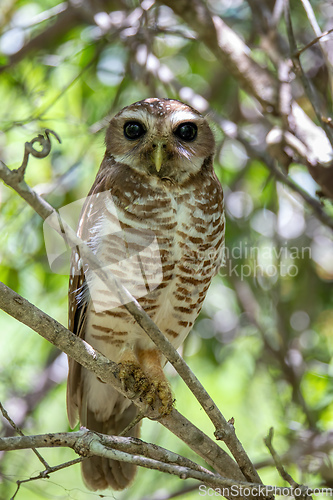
(187,131)
(133,130)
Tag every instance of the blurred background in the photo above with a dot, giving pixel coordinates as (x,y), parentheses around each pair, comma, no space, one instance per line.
(262,345)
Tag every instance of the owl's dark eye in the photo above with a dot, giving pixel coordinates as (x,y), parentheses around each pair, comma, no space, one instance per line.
(186,131)
(133,130)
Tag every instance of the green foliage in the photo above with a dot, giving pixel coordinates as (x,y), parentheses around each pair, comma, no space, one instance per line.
(263,343)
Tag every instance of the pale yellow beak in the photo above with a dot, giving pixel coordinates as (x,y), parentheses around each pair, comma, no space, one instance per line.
(158,156)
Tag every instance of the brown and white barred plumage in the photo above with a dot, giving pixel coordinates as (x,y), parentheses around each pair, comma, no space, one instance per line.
(165,184)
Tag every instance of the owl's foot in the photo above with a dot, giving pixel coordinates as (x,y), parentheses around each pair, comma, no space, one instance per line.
(136,382)
(133,378)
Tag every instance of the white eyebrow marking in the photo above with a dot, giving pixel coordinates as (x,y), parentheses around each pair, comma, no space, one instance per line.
(182,116)
(136,114)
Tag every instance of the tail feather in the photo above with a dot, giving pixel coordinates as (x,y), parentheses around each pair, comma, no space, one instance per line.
(100,473)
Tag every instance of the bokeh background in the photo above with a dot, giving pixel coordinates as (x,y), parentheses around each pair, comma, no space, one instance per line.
(262,345)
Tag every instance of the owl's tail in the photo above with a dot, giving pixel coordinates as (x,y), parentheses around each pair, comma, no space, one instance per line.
(100,473)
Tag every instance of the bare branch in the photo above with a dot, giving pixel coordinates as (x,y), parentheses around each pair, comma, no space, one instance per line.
(88,443)
(313,42)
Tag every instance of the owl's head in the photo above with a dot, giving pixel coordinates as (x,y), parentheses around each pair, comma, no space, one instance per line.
(161,137)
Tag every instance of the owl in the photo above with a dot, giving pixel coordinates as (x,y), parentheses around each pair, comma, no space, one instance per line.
(155,219)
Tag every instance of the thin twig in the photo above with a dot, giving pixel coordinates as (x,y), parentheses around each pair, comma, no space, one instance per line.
(45,142)
(45,473)
(304,490)
(277,461)
(132,424)
(18,430)
(317,31)
(313,42)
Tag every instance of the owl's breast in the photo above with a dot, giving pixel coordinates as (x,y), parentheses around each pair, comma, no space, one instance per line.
(189,229)
(164,246)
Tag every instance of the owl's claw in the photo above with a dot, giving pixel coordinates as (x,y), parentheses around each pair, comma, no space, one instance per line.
(163,391)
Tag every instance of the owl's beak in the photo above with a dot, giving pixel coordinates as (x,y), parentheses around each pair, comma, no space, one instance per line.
(158,155)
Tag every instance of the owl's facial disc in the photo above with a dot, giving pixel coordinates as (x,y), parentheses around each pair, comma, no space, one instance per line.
(163,138)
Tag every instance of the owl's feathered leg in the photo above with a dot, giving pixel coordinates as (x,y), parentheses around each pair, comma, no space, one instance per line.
(151,362)
(144,375)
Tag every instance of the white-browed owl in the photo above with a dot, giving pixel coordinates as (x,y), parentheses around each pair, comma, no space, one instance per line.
(154,216)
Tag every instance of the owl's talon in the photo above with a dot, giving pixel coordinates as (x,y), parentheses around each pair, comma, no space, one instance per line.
(164,393)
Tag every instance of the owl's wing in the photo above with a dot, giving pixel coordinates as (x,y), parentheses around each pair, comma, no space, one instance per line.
(76,323)
(78,293)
